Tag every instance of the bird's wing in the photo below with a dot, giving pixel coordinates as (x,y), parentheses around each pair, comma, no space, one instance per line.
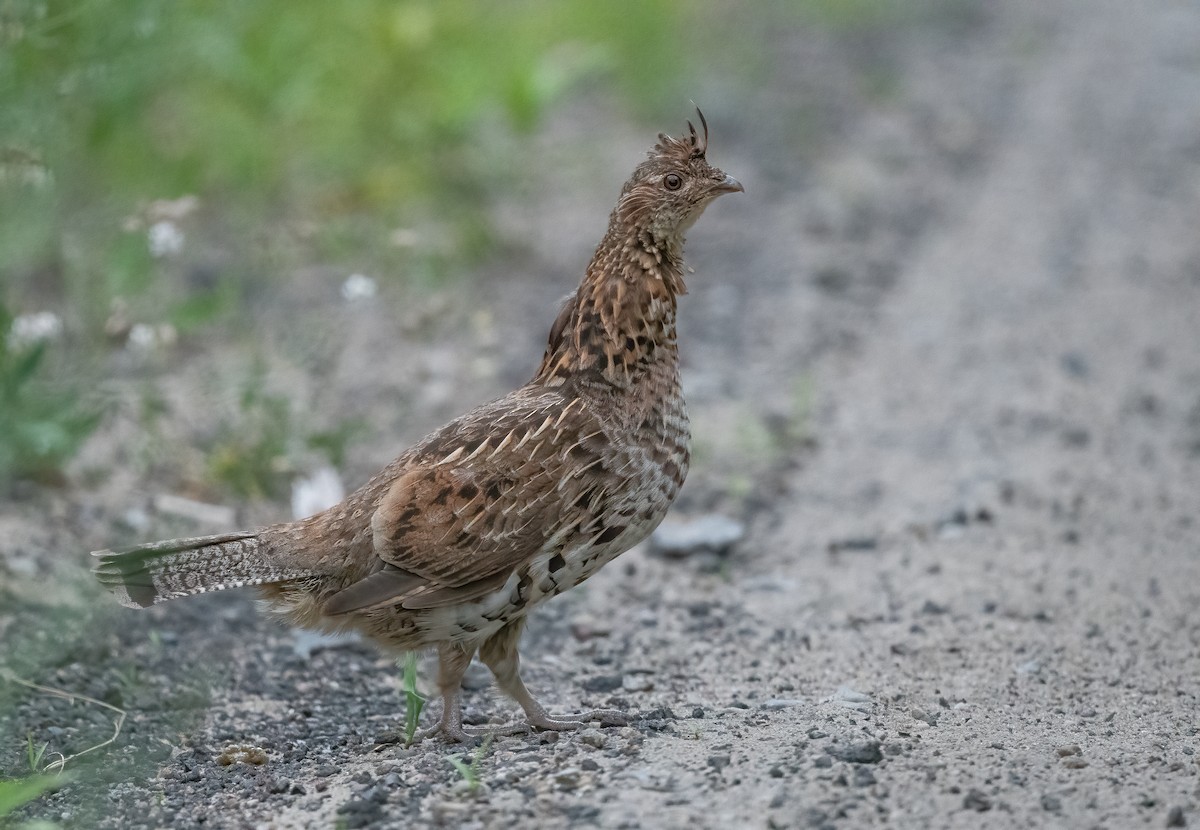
(482,496)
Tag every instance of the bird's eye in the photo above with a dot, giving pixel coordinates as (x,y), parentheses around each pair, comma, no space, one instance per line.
(672,181)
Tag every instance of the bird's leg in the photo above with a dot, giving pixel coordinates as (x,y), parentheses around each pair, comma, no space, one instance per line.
(453,660)
(499,652)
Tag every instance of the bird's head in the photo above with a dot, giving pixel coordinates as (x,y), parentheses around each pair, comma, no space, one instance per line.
(670,189)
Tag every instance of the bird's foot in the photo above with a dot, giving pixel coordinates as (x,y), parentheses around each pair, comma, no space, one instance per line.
(450,733)
(460,734)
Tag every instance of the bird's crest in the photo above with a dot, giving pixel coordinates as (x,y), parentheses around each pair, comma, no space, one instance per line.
(694,146)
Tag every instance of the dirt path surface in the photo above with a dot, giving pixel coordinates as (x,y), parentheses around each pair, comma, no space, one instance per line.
(945,364)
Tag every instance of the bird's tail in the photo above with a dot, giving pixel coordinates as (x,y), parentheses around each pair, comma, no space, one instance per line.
(161,571)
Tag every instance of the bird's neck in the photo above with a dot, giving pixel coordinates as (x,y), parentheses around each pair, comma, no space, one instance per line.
(621,322)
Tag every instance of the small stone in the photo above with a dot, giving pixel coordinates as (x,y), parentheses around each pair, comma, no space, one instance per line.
(777,703)
(860,752)
(976,800)
(718,761)
(854,543)
(823,762)
(850,699)
(1051,803)
(922,715)
(1070,749)
(587,628)
(710,533)
(863,777)
(1074,762)
(477,678)
(242,754)
(1075,365)
(568,778)
(1175,817)
(593,738)
(589,765)
(604,683)
(637,683)
(931,607)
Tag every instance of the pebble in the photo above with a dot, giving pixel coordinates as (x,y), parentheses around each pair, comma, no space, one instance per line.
(863,777)
(242,754)
(978,801)
(1051,803)
(585,628)
(604,683)
(850,699)
(854,543)
(568,778)
(712,533)
(777,703)
(718,761)
(859,752)
(638,683)
(922,715)
(1175,817)
(593,738)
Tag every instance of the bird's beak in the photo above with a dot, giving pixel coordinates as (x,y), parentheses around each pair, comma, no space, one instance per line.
(730,185)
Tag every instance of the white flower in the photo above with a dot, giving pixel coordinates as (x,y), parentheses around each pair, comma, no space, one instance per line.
(164,238)
(358,287)
(38,327)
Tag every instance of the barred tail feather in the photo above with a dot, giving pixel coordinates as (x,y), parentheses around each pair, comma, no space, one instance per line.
(162,571)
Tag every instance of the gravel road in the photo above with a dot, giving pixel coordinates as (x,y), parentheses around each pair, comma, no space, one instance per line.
(944,365)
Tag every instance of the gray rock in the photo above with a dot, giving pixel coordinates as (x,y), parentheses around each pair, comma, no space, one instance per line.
(711,533)
(859,752)
(776,703)
(604,683)
(977,800)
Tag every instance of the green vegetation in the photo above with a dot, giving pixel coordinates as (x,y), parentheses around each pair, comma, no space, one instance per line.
(257,450)
(378,111)
(41,424)
(414,702)
(470,771)
(18,792)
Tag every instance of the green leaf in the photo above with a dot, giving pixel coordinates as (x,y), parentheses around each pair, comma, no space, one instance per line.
(20,791)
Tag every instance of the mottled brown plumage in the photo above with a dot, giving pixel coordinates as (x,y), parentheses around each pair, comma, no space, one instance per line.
(514,502)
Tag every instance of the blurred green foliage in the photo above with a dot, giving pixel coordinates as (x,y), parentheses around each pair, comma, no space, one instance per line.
(17,792)
(303,106)
(256,453)
(41,425)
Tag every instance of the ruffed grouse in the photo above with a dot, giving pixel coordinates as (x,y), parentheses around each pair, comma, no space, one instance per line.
(514,502)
